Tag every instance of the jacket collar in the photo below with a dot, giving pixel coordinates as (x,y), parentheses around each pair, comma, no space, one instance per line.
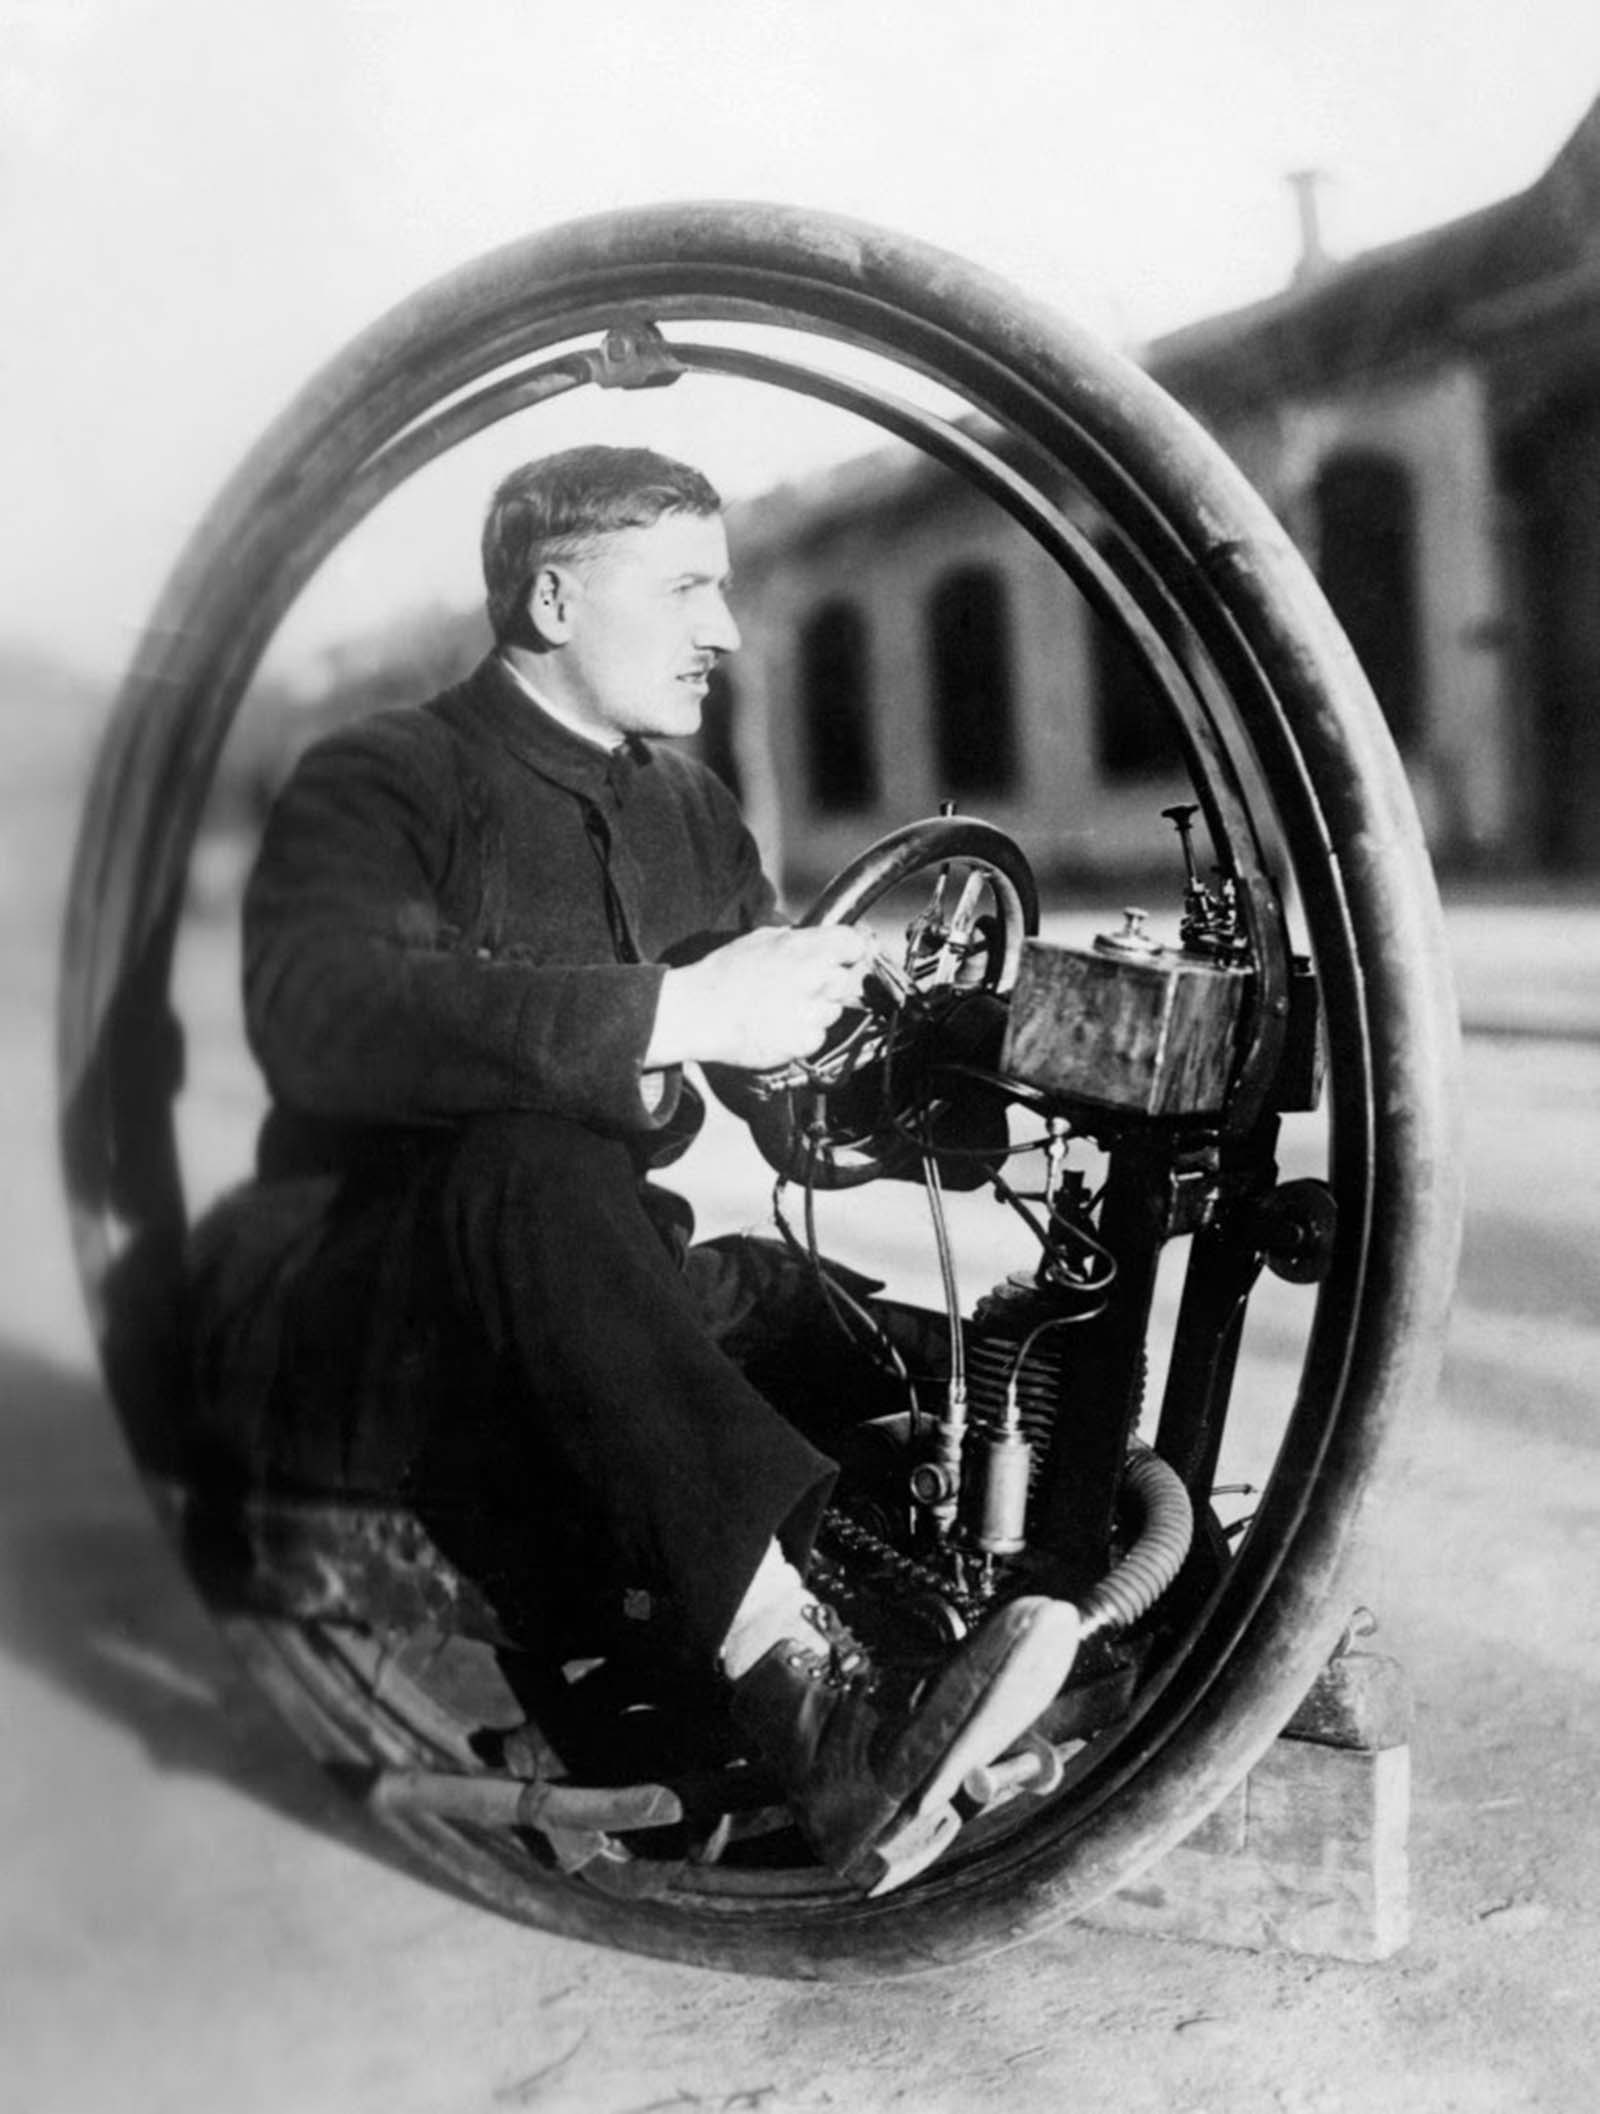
(495,703)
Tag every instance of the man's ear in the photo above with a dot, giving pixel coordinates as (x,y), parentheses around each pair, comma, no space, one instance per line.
(550,599)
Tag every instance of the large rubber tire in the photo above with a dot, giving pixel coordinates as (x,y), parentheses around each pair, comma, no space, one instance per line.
(1220,568)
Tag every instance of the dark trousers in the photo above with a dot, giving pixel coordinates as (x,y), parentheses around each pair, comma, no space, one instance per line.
(509,1312)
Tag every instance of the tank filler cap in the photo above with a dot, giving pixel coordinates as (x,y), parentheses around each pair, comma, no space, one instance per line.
(1132,939)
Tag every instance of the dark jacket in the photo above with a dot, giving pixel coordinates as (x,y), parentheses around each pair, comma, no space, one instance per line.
(464,908)
(458,908)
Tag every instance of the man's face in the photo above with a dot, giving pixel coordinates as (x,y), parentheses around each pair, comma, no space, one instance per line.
(645,621)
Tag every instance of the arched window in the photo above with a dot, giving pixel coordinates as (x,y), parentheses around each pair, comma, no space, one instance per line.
(841,769)
(1135,734)
(717,747)
(1366,531)
(970,652)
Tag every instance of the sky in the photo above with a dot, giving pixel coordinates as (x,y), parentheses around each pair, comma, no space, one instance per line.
(201,201)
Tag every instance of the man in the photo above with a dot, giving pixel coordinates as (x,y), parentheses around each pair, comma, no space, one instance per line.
(482,939)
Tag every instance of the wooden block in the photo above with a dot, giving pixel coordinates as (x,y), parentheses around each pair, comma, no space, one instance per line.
(1321,1867)
(1360,1699)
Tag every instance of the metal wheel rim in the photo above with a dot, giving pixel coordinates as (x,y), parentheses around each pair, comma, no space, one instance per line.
(1333,774)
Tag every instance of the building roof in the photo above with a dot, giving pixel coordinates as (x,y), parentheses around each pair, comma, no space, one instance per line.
(1506,274)
(1408,300)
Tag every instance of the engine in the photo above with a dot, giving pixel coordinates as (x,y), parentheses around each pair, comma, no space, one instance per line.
(1018,1466)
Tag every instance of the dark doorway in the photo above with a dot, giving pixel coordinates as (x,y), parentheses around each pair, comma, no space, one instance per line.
(841,768)
(1367,563)
(969,640)
(1135,732)
(1554,474)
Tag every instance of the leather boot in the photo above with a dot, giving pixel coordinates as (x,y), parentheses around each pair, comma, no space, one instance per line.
(870,1776)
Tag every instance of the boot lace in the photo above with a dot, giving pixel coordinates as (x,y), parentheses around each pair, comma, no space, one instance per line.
(838,1659)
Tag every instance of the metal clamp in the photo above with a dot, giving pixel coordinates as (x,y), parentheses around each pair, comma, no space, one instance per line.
(634,355)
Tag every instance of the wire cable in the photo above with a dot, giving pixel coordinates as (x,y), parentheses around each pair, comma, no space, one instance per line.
(947,1274)
(838,1299)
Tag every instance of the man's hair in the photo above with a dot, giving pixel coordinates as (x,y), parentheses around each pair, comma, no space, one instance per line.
(554,510)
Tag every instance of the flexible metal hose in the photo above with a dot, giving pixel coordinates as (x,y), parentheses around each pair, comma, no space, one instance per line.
(1134,1585)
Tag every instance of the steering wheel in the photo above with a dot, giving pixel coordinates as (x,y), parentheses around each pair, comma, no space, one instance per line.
(888,1083)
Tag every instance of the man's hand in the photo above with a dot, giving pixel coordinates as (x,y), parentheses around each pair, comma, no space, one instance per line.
(761,1000)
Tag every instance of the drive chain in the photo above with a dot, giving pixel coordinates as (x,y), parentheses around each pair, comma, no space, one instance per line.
(855,1540)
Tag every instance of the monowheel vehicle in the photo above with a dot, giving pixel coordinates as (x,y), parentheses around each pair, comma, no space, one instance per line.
(1119,1103)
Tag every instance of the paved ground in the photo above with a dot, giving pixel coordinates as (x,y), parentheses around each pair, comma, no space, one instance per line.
(188,1921)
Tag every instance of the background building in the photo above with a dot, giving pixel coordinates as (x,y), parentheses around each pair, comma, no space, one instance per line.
(1425,420)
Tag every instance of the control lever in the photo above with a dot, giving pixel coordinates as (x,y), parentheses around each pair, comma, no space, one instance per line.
(1208,923)
(1182,819)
